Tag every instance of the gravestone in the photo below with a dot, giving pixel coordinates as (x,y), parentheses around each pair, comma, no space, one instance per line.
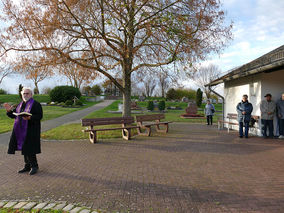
(191,111)
(191,108)
(120,108)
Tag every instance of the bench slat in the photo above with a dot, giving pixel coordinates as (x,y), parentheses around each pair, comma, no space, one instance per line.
(107,121)
(115,128)
(141,118)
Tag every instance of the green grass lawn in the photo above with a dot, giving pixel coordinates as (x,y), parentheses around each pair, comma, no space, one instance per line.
(74,131)
(49,112)
(10,210)
(16,99)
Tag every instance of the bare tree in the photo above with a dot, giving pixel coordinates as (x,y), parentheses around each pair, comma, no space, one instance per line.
(115,36)
(164,78)
(4,72)
(205,75)
(77,75)
(33,67)
(148,80)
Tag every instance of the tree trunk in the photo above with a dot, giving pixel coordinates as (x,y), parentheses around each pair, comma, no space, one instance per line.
(163,91)
(126,94)
(36,90)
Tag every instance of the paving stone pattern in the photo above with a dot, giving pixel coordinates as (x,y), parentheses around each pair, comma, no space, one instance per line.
(194,168)
(29,206)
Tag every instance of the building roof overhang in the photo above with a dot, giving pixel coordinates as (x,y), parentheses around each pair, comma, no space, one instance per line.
(269,62)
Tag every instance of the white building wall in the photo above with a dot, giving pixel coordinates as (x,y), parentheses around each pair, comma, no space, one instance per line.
(235,89)
(273,83)
(255,87)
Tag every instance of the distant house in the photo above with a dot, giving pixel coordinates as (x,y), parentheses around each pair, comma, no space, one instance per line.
(263,75)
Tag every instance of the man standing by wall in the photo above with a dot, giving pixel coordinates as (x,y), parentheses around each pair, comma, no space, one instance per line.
(267,109)
(244,109)
(280,114)
(26,132)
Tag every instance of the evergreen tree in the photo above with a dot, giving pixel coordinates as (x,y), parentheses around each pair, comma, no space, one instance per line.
(199,95)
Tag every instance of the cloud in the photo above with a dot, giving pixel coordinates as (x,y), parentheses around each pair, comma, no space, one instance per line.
(258,29)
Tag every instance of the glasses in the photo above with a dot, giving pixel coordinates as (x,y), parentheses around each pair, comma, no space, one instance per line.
(26,93)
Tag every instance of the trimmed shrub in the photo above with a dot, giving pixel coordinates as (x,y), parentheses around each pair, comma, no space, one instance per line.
(78,103)
(2,92)
(150,105)
(97,90)
(68,103)
(199,95)
(171,94)
(162,105)
(64,93)
(178,94)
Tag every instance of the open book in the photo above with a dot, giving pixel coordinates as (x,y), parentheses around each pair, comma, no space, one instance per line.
(23,114)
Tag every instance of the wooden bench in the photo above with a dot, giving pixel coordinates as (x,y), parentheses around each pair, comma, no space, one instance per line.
(232,120)
(151,120)
(124,121)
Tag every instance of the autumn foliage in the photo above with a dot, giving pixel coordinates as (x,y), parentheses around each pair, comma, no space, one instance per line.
(114,37)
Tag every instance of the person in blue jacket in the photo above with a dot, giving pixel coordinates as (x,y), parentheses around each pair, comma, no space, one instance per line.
(244,109)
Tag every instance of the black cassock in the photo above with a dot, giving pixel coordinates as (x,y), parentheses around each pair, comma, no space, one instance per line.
(31,143)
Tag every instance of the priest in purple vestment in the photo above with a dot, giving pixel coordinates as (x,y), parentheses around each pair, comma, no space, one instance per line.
(26,132)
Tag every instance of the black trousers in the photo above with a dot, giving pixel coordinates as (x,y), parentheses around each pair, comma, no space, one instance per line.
(241,128)
(30,161)
(267,124)
(281,126)
(209,119)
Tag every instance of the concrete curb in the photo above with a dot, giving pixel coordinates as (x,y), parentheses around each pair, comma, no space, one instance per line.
(28,205)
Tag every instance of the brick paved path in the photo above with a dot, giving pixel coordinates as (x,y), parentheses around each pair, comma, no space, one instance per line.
(194,169)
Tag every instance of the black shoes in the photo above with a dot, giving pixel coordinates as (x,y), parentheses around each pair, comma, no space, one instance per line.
(25,169)
(33,170)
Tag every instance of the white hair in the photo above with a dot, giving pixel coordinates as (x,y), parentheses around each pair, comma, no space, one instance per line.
(26,88)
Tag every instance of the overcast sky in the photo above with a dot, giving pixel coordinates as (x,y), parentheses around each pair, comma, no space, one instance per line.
(258,29)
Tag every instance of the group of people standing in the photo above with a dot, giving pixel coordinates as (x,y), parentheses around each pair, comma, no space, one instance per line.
(268,109)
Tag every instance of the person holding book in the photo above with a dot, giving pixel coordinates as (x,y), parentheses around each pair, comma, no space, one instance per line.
(26,132)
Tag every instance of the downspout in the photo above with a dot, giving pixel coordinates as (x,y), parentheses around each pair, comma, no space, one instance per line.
(223,102)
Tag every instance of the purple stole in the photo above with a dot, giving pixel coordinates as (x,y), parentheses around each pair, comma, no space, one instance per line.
(21,125)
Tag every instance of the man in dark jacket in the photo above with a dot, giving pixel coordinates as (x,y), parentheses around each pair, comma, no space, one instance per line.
(244,109)
(26,132)
(280,113)
(267,109)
